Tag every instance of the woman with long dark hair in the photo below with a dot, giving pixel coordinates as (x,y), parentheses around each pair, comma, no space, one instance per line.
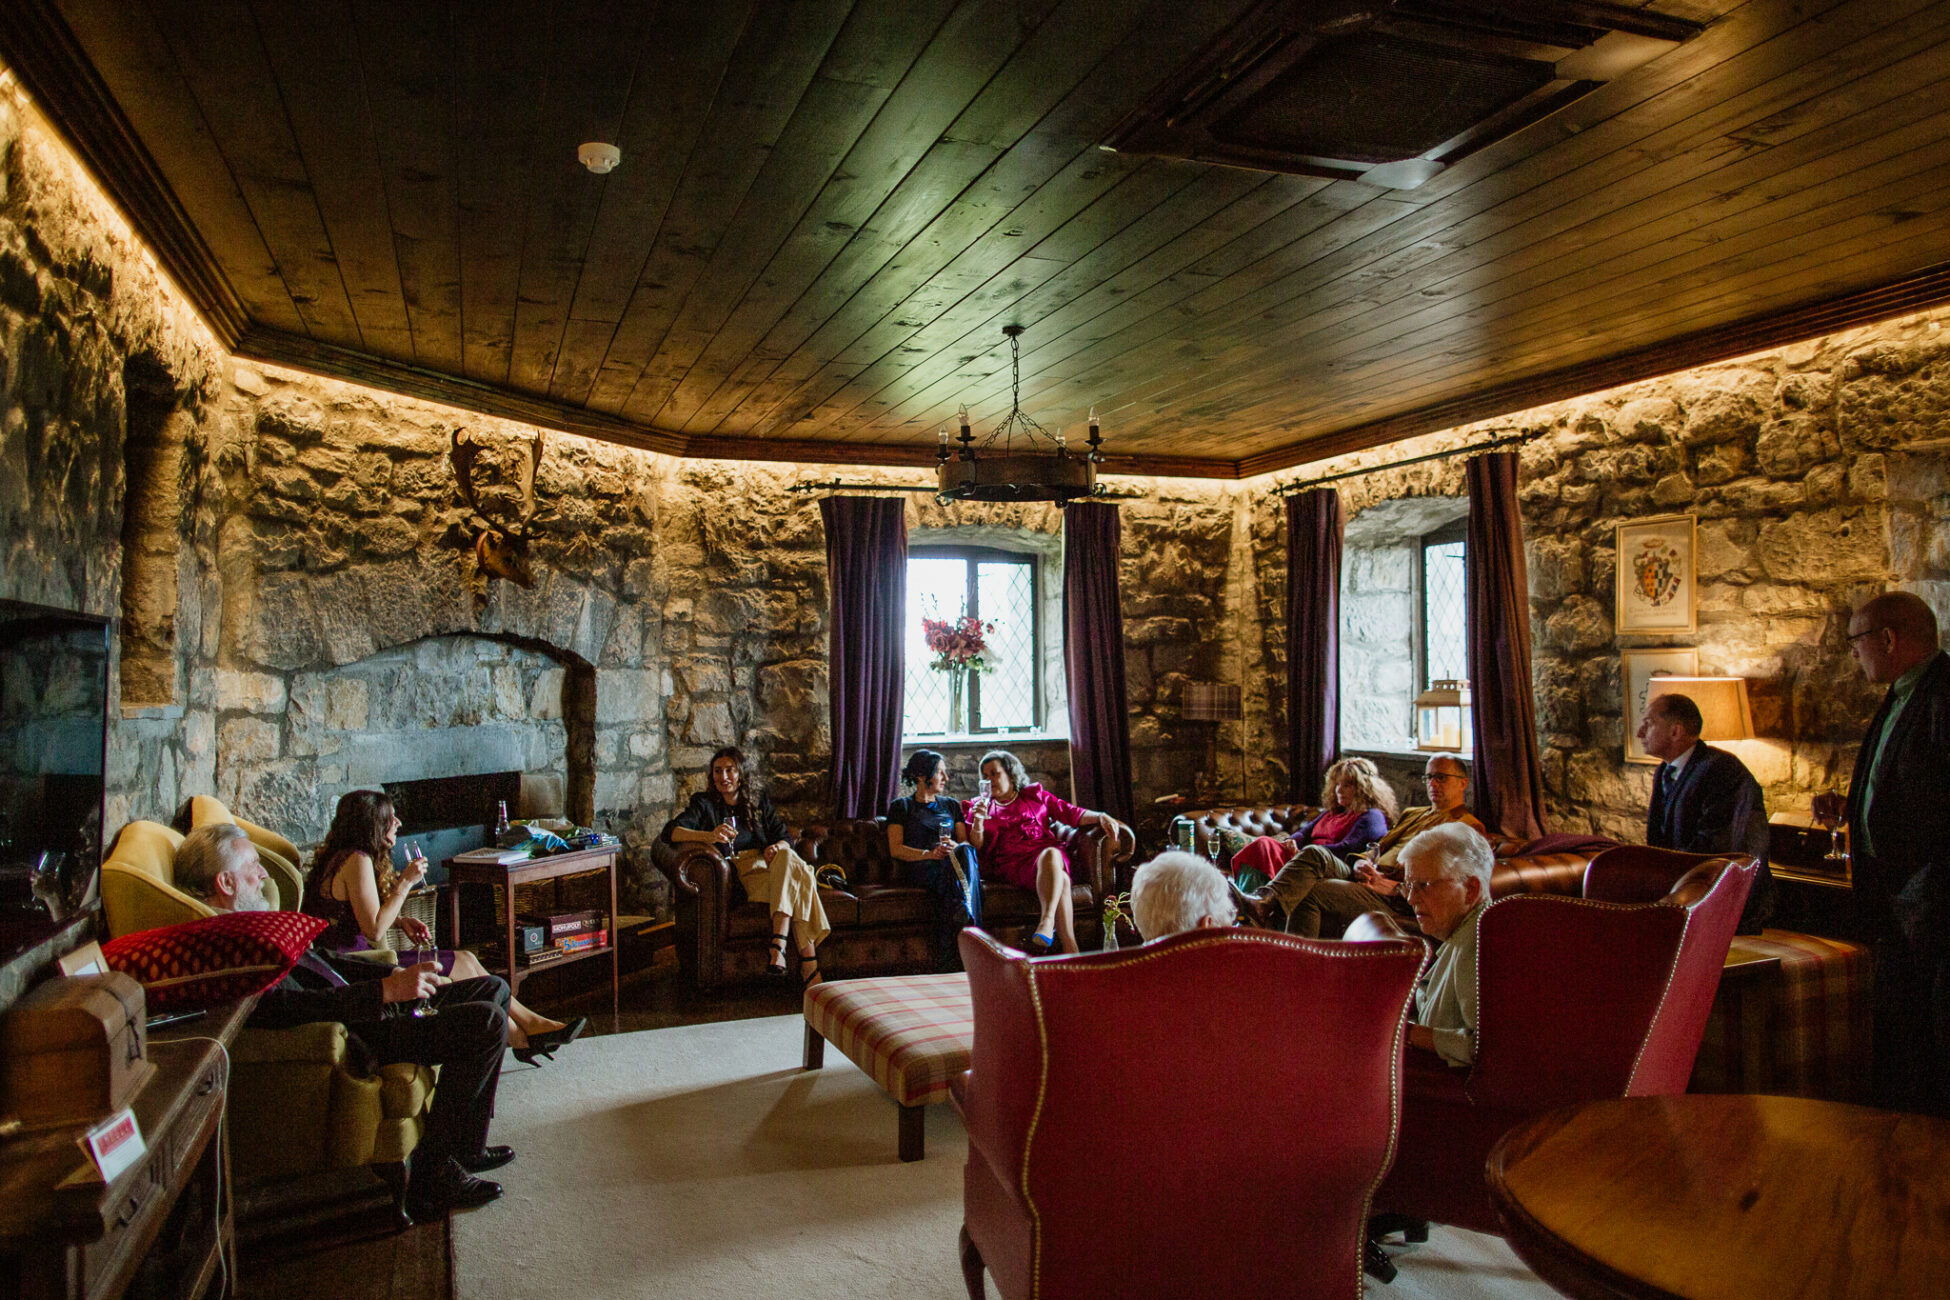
(733,815)
(930,830)
(353,885)
(1009,824)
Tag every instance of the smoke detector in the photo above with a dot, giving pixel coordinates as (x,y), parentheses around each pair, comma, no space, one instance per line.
(598,157)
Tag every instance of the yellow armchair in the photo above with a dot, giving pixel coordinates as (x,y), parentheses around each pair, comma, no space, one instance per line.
(278,854)
(297,1106)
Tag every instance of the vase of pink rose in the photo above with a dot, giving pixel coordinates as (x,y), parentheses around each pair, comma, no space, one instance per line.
(960,647)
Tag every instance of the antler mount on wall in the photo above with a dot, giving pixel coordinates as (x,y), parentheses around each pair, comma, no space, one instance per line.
(500,550)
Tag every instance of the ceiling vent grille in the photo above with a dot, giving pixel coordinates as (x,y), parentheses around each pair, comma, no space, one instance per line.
(1390,93)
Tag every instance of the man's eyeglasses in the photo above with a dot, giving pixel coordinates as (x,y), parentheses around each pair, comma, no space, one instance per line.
(1413,888)
(1853,637)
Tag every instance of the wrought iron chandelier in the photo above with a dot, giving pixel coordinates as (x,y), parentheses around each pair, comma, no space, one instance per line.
(1034,474)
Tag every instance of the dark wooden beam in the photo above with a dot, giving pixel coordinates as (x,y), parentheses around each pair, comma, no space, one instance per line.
(294,352)
(276,347)
(42,52)
(1927,288)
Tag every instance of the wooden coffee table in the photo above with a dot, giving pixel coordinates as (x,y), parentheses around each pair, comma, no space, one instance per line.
(1728,1198)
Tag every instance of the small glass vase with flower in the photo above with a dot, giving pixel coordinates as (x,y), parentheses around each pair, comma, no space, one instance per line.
(960,647)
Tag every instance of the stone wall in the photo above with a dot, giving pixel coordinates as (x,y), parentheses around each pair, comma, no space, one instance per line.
(1819,475)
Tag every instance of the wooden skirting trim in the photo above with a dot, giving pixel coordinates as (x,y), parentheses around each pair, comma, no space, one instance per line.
(1927,288)
(40,49)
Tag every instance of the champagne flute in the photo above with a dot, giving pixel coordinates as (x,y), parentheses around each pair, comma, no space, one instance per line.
(1829,810)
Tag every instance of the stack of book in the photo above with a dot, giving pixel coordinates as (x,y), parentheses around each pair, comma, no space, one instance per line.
(564,934)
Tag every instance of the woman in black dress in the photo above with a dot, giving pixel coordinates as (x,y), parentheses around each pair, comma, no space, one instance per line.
(931,830)
(353,885)
(735,817)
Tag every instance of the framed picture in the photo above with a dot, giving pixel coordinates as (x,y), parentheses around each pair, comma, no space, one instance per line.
(1657,589)
(1640,667)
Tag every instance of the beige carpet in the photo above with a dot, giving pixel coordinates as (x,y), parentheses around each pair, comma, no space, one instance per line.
(700,1162)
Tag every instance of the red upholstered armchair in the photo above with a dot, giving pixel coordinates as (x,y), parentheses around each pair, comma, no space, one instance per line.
(1577,999)
(1108,1097)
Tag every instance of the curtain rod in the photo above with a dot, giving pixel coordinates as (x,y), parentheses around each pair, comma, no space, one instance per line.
(835,485)
(1306,485)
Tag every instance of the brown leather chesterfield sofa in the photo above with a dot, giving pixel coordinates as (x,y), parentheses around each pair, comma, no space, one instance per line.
(883,921)
(1545,873)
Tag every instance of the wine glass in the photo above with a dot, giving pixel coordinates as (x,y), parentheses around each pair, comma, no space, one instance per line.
(422,1008)
(1211,839)
(1830,808)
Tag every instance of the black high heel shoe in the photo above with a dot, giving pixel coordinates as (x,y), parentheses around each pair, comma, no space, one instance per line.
(775,960)
(544,1045)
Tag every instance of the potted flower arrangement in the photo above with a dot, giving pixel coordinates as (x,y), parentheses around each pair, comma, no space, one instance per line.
(959,646)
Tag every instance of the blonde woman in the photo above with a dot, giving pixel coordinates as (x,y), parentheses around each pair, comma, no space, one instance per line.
(1356,809)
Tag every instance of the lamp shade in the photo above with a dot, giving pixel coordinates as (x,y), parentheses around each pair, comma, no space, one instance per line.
(1210,702)
(1723,708)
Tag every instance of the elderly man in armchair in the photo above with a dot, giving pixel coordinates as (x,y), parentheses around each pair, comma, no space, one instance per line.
(1446,880)
(464,1034)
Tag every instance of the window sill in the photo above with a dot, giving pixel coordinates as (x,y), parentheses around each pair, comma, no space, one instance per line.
(1406,751)
(996,740)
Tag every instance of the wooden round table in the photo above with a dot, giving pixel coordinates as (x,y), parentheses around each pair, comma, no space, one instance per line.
(1711,1197)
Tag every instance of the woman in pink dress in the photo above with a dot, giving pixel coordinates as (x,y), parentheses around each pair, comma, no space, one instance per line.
(1009,825)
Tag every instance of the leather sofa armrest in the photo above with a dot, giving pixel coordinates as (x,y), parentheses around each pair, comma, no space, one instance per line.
(693,868)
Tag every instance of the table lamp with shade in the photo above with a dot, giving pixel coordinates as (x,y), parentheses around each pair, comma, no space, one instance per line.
(1723,708)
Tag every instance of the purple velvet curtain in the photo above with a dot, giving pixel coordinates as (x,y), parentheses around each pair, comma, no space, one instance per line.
(1507,780)
(1093,661)
(1315,525)
(866,573)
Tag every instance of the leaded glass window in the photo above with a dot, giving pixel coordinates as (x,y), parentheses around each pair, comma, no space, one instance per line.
(999,589)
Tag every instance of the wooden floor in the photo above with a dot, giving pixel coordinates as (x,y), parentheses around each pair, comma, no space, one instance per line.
(329,1235)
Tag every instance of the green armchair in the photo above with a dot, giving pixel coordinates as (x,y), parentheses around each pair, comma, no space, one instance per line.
(298,1107)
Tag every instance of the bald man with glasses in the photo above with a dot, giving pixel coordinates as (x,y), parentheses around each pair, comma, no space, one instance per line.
(1899,844)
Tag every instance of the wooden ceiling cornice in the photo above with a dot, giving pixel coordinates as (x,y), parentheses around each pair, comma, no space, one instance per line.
(826,212)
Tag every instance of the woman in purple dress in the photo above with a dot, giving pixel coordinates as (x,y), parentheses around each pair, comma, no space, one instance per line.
(1009,824)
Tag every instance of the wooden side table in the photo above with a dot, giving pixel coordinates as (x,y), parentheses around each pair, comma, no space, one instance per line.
(1727,1197)
(528,871)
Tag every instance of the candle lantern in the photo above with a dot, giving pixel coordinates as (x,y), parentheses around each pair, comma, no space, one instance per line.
(1442,717)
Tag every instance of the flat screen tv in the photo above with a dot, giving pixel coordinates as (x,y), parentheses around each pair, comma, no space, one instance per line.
(53,751)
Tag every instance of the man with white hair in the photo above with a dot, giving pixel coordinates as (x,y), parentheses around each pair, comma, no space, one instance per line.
(1175,892)
(1446,879)
(464,1034)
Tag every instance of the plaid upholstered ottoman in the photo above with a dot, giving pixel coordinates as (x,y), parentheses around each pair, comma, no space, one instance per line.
(910,1033)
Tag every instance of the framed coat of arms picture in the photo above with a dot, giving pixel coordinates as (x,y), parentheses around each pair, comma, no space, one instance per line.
(1657,586)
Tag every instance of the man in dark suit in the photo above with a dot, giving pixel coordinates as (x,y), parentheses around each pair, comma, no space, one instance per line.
(464,1035)
(1704,800)
(1899,843)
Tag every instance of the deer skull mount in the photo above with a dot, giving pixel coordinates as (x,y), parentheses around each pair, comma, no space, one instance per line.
(501,550)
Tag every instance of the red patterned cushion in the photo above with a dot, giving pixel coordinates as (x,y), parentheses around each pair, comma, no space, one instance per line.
(214,959)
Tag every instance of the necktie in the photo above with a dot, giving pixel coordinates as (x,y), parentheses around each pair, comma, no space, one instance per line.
(318,966)
(1662,801)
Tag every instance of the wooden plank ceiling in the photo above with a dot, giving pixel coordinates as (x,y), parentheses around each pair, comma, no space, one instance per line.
(827,210)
